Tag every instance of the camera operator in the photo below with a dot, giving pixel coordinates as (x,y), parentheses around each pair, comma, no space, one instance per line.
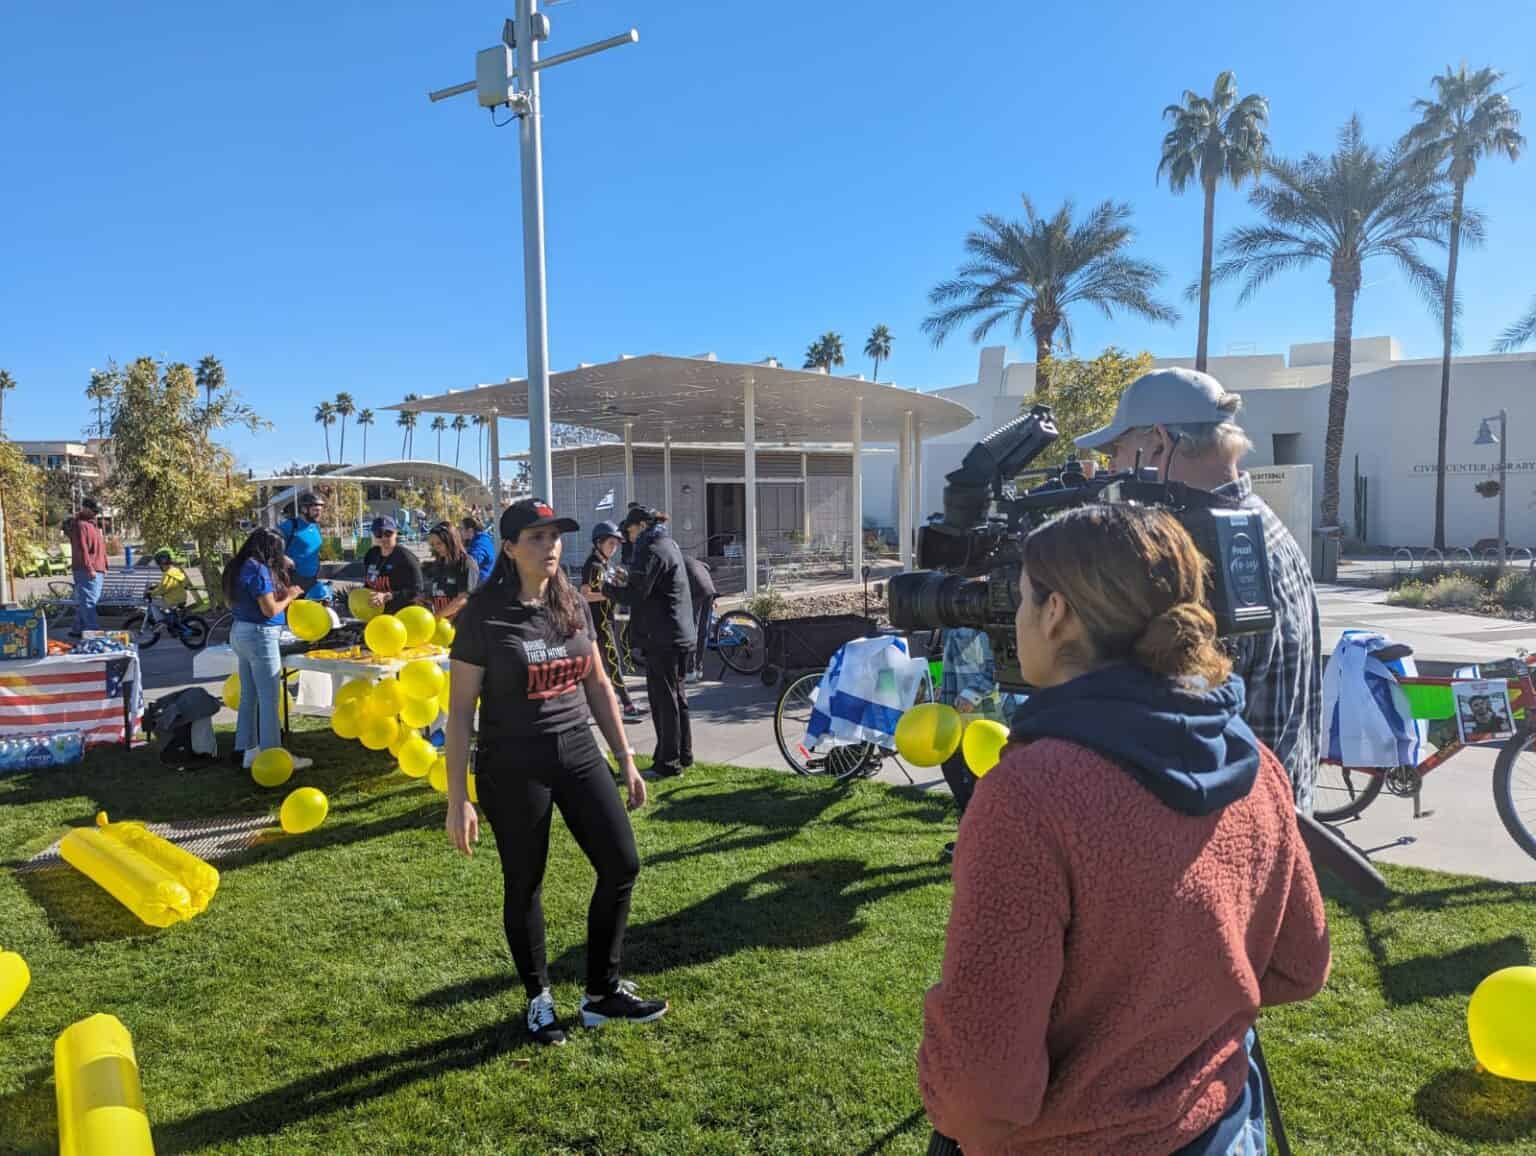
(1130,884)
(1183,424)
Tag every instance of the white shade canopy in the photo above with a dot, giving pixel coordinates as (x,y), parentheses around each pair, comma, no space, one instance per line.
(701,399)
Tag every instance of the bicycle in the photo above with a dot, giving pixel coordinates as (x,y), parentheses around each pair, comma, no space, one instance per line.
(740,639)
(147,625)
(791,724)
(1344,792)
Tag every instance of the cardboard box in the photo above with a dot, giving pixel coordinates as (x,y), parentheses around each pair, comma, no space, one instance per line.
(23,634)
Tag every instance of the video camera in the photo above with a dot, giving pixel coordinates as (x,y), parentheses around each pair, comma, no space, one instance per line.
(972,556)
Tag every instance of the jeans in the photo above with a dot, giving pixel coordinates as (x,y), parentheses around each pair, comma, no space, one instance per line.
(519,784)
(665,671)
(87,594)
(261,671)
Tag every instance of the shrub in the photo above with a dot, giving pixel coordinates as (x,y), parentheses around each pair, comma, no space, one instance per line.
(1516,590)
(1411,593)
(1456,591)
(330,550)
(769,604)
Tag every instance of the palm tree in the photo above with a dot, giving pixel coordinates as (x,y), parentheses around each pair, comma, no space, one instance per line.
(325,414)
(210,379)
(878,347)
(7,383)
(1213,139)
(826,352)
(480,422)
(1467,121)
(407,422)
(364,420)
(1341,211)
(1033,271)
(345,408)
(1519,333)
(460,424)
(100,391)
(439,424)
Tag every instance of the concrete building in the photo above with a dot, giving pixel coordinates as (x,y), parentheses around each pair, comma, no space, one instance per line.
(1390,432)
(87,464)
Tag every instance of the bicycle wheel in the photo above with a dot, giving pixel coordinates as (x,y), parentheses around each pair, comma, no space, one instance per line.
(791,720)
(194,632)
(218,630)
(144,634)
(1514,790)
(741,641)
(1343,792)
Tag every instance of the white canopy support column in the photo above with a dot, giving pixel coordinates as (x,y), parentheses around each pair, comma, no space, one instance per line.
(666,470)
(629,463)
(494,429)
(805,501)
(918,513)
(749,446)
(904,491)
(856,490)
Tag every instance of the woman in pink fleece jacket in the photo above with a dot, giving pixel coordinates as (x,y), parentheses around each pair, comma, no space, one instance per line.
(1130,884)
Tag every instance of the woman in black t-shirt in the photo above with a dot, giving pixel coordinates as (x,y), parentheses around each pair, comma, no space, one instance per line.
(525,649)
(390,570)
(450,574)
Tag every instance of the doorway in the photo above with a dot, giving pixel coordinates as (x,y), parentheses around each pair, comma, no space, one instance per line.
(725,517)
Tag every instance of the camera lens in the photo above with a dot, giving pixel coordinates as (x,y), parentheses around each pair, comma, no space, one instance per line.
(927,600)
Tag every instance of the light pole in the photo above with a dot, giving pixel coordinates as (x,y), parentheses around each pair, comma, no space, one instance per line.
(1486,437)
(496,85)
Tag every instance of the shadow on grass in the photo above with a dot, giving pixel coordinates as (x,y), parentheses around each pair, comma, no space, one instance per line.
(1452,973)
(29,1117)
(880,1144)
(1477,1106)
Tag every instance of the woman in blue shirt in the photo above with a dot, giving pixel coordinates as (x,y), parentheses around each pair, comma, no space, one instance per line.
(258,589)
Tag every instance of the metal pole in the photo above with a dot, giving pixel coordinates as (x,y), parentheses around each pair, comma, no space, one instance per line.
(493,447)
(666,468)
(805,502)
(1503,481)
(856,490)
(629,463)
(904,491)
(531,147)
(917,481)
(749,458)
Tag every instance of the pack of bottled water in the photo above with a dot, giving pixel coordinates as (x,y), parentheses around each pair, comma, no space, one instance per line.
(35,752)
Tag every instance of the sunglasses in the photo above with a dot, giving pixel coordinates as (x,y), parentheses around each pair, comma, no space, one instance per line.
(385,534)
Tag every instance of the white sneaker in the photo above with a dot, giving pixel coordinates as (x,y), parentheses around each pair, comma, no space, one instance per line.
(543,1024)
(250,757)
(302,764)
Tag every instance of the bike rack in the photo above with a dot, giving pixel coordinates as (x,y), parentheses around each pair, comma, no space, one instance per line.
(1461,553)
(1404,555)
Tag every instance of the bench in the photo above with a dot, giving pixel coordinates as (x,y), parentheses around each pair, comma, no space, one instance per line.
(121,591)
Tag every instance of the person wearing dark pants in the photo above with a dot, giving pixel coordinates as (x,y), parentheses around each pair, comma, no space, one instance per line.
(525,650)
(661,621)
(701,589)
(596,589)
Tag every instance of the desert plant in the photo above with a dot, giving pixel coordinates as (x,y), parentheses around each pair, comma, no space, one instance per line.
(1410,593)
(1456,591)
(1516,590)
(768,605)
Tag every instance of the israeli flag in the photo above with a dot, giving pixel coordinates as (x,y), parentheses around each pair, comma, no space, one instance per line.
(606,503)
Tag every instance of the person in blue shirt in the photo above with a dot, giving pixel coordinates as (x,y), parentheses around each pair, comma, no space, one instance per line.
(259,590)
(479,544)
(302,539)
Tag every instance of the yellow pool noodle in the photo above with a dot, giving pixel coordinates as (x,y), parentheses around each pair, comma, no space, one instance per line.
(198,876)
(138,883)
(14,978)
(101,1105)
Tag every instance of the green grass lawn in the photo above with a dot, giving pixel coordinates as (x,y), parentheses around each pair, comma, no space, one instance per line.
(350,991)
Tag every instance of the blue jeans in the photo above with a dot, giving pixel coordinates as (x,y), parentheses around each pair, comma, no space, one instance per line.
(87,594)
(1253,1141)
(261,672)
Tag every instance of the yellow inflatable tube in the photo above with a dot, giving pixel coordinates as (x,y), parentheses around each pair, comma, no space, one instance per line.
(14,978)
(101,1106)
(156,880)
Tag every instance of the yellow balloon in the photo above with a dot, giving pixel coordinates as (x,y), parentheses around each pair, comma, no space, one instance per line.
(309,620)
(421,678)
(14,978)
(928,734)
(353,690)
(378,733)
(444,632)
(419,712)
(360,603)
(983,745)
(401,735)
(385,699)
(1501,1019)
(385,636)
(419,624)
(469,782)
(437,777)
(272,767)
(231,692)
(416,755)
(303,810)
(347,720)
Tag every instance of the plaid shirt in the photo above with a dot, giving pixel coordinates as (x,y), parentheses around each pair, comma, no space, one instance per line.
(1282,669)
(968,667)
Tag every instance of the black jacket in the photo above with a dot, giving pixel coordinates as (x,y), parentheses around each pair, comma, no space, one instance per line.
(701,583)
(660,606)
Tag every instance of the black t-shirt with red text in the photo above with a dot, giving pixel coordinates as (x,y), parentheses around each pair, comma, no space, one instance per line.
(533,674)
(445,581)
(397,574)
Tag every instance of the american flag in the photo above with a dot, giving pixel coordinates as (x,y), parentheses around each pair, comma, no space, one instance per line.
(83,693)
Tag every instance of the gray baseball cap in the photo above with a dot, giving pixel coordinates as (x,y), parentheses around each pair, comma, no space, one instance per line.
(1163,397)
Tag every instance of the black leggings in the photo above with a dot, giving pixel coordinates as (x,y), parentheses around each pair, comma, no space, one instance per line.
(519,782)
(608,646)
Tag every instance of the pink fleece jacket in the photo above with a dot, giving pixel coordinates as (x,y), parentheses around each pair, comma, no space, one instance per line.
(1106,955)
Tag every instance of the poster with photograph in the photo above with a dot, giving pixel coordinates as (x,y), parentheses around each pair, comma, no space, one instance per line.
(1482,711)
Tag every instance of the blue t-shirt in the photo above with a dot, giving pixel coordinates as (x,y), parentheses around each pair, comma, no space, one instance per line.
(254,581)
(303,544)
(482,548)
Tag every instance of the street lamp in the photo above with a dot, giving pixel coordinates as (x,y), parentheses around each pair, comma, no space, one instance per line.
(1486,437)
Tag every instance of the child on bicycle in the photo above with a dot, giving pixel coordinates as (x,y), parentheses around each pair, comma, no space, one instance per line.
(173,590)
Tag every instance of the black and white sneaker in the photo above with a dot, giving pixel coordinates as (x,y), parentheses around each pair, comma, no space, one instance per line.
(623,1004)
(632,713)
(543,1025)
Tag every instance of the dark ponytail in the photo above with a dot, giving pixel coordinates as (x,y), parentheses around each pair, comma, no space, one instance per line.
(263,545)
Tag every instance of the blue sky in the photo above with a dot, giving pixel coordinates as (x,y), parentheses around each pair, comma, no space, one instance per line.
(269,183)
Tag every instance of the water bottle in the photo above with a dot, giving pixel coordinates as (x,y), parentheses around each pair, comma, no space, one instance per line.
(36,752)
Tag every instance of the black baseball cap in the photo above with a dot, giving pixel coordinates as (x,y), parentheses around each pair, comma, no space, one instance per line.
(90,504)
(384,525)
(531,512)
(637,514)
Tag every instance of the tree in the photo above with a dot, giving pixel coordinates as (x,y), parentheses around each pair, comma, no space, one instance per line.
(364,420)
(1032,272)
(7,383)
(445,505)
(210,379)
(21,506)
(103,384)
(325,414)
(407,422)
(480,422)
(878,347)
(1084,395)
(826,352)
(1466,122)
(168,476)
(1213,139)
(1341,211)
(460,424)
(1519,333)
(439,424)
(345,408)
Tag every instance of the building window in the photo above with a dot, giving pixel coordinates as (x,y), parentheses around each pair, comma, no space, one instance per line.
(1287,449)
